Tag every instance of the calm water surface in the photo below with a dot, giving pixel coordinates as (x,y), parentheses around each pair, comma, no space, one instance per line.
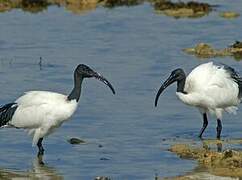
(136,49)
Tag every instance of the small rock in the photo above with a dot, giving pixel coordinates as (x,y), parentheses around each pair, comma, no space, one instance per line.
(76,141)
(102,178)
(100,146)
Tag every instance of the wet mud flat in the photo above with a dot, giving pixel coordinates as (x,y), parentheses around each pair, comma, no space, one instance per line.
(213,161)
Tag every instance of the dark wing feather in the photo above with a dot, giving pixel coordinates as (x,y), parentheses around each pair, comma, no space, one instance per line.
(7,112)
(235,76)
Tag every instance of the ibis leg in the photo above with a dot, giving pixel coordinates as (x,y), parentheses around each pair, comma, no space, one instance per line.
(205,124)
(41,149)
(219,128)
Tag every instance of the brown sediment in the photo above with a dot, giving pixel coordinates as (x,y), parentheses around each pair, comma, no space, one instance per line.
(226,163)
(182,9)
(203,50)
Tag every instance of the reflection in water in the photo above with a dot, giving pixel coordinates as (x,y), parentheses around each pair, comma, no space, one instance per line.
(38,171)
(40,63)
(219,147)
(212,161)
(218,143)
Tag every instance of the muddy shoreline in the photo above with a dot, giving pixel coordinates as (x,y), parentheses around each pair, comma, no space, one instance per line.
(212,159)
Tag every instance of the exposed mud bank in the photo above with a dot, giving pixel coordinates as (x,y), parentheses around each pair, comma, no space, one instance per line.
(203,50)
(213,162)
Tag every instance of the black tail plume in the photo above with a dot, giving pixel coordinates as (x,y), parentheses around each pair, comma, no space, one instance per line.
(235,76)
(6,113)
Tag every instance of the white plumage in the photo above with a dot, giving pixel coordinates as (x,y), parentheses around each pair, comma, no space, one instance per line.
(209,87)
(41,112)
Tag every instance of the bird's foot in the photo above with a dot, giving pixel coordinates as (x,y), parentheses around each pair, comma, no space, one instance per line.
(40,159)
(200,137)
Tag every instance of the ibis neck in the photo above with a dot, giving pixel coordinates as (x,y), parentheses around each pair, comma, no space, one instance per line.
(76,91)
(181,85)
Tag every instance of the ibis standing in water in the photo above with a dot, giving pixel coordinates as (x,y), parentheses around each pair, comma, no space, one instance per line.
(41,112)
(209,87)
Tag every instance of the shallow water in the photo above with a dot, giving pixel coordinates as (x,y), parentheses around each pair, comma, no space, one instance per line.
(127,137)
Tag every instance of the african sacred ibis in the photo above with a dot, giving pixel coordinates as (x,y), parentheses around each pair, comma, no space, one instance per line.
(209,87)
(41,112)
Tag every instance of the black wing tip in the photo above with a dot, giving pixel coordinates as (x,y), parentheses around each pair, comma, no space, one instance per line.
(7,106)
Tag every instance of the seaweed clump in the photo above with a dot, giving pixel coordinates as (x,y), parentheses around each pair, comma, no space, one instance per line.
(203,50)
(237,44)
(236,50)
(115,3)
(182,9)
(34,6)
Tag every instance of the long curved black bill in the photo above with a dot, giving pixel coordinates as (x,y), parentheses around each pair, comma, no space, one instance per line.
(105,81)
(169,81)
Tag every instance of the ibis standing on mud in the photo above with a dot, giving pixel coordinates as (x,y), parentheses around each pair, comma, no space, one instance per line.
(41,112)
(210,88)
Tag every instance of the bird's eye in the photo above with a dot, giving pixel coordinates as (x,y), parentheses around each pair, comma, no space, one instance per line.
(174,75)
